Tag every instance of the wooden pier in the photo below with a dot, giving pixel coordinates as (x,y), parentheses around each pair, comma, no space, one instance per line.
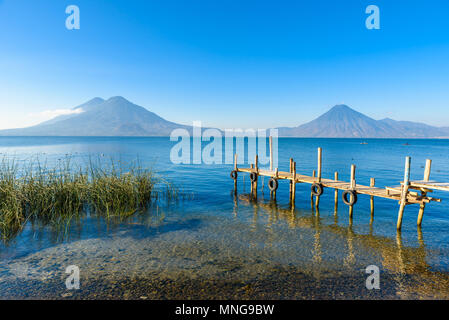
(408,192)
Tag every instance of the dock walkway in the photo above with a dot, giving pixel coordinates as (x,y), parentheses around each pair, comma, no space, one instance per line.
(408,192)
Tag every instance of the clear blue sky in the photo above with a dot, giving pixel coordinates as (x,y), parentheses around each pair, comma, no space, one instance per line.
(227,63)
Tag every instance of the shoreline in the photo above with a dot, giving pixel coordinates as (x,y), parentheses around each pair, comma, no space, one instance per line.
(281,283)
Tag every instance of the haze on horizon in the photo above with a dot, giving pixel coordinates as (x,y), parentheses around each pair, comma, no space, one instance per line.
(271,63)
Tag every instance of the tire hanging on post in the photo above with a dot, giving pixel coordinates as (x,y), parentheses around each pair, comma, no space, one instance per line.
(317,189)
(352,197)
(253,176)
(273,184)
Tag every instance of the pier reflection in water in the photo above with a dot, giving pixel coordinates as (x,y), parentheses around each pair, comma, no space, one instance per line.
(407,265)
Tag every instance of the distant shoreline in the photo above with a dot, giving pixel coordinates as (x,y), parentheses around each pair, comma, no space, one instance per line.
(283,137)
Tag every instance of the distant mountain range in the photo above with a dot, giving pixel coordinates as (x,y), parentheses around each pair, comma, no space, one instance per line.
(113,117)
(343,122)
(119,117)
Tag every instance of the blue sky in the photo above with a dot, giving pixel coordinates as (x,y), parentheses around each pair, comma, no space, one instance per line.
(227,63)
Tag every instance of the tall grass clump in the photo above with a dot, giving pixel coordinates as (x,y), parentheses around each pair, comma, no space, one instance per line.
(11,206)
(113,191)
(35,190)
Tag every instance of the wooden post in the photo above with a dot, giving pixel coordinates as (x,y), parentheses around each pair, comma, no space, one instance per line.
(317,198)
(252,184)
(319,164)
(371,184)
(291,182)
(277,176)
(353,185)
(235,168)
(271,153)
(256,165)
(317,201)
(311,194)
(294,184)
(351,211)
(426,178)
(404,192)
(336,193)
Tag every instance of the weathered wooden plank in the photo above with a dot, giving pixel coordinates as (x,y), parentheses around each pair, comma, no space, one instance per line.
(399,190)
(393,193)
(442,186)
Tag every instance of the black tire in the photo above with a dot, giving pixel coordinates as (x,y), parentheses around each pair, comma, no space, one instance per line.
(234,175)
(273,184)
(253,176)
(352,197)
(317,189)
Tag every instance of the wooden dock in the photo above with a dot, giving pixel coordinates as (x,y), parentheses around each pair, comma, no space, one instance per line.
(406,193)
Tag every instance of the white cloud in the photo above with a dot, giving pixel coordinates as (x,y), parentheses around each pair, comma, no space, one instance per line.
(50,114)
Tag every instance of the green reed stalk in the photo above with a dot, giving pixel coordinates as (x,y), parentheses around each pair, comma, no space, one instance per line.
(53,194)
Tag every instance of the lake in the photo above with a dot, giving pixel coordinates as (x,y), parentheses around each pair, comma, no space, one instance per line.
(215,245)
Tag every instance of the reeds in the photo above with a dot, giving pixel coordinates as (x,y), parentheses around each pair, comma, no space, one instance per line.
(33,190)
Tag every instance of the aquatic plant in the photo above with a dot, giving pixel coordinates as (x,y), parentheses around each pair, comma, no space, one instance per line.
(55,194)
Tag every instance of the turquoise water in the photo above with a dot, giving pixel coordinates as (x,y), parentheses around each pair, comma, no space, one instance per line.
(215,237)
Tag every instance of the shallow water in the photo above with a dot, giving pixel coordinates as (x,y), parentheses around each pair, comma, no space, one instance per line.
(217,245)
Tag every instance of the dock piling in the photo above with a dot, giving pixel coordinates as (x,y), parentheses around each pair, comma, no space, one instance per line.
(319,164)
(317,198)
(251,181)
(336,193)
(311,194)
(276,175)
(256,165)
(371,184)
(291,181)
(404,192)
(235,169)
(426,178)
(271,153)
(294,184)
(353,185)
(317,201)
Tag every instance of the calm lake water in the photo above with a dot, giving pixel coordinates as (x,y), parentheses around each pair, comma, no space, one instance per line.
(216,245)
